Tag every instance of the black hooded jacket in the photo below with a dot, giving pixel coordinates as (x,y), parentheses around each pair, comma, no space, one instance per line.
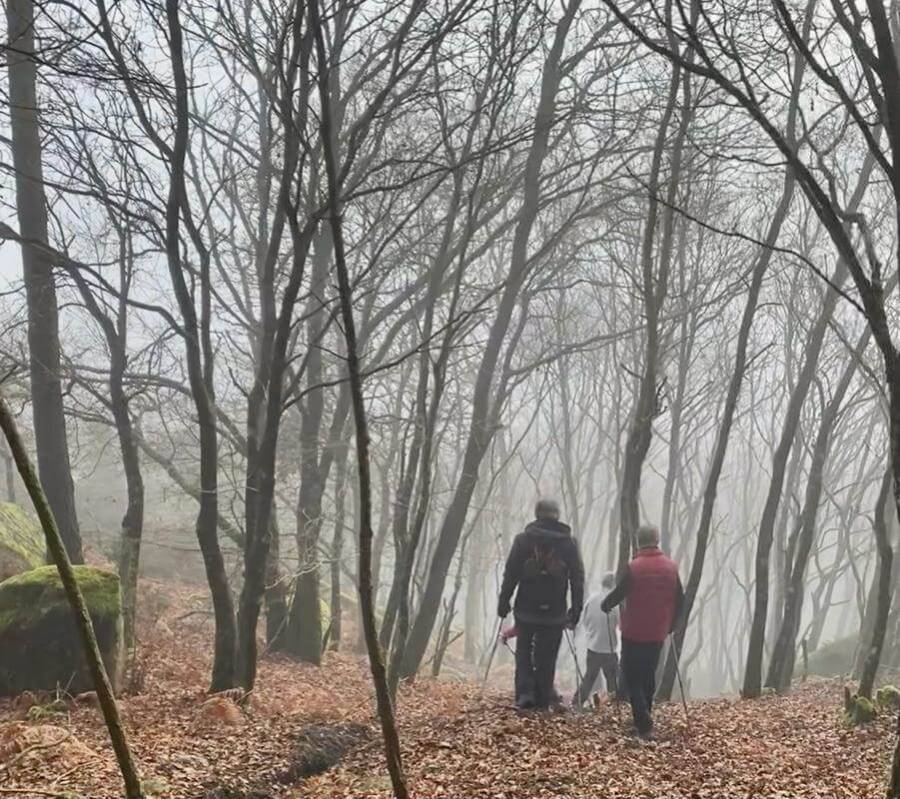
(544,562)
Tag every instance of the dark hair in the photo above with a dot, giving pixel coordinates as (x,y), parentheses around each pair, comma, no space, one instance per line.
(546,509)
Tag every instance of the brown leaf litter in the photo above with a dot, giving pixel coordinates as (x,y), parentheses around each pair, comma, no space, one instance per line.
(301,719)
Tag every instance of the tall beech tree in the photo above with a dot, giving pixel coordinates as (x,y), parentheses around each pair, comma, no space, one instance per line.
(40,286)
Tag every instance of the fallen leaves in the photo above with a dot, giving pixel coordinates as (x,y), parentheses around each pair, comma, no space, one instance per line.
(455,741)
(221,711)
(784,746)
(39,746)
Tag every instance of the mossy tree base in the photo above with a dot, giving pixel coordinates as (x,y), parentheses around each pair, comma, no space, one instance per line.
(888,697)
(858,709)
(39,644)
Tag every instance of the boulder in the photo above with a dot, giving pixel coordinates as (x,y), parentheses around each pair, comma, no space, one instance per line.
(21,541)
(888,697)
(39,644)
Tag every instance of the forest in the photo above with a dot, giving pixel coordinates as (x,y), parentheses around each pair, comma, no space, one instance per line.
(306,305)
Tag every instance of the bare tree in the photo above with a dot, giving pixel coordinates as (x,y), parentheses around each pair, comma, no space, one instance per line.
(379,676)
(40,287)
(869,41)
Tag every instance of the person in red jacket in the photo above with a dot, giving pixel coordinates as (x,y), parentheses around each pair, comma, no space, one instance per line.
(653,595)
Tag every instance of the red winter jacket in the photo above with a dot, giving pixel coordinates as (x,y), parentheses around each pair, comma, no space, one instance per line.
(653,596)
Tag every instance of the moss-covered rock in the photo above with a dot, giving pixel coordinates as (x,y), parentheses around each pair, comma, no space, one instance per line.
(888,697)
(39,644)
(21,541)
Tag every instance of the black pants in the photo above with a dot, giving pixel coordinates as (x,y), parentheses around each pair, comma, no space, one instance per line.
(537,646)
(608,663)
(639,659)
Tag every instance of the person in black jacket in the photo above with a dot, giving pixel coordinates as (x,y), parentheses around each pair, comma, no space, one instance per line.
(543,565)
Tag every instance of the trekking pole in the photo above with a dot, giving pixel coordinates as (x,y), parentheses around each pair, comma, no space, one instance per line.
(687,717)
(487,669)
(578,677)
(612,647)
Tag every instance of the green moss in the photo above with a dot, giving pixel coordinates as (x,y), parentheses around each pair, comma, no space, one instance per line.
(29,596)
(888,696)
(21,540)
(40,647)
(860,711)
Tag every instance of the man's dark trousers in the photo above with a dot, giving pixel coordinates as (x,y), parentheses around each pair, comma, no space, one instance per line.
(639,660)
(608,663)
(537,646)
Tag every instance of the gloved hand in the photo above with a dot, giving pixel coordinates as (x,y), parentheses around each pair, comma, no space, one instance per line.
(605,607)
(509,632)
(572,617)
(503,608)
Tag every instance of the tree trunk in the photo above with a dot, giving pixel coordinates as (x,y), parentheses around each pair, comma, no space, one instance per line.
(721,446)
(57,549)
(265,405)
(305,625)
(116,335)
(40,289)
(337,548)
(781,666)
(10,469)
(752,686)
(200,367)
(133,520)
(445,629)
(483,423)
(893,791)
(870,610)
(784,543)
(677,411)
(476,574)
(276,591)
(654,286)
(883,608)
(367,610)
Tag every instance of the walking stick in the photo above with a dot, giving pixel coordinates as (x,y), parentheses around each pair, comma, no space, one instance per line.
(687,717)
(487,669)
(612,646)
(578,676)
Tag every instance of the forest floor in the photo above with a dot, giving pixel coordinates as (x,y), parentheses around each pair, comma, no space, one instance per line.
(456,742)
